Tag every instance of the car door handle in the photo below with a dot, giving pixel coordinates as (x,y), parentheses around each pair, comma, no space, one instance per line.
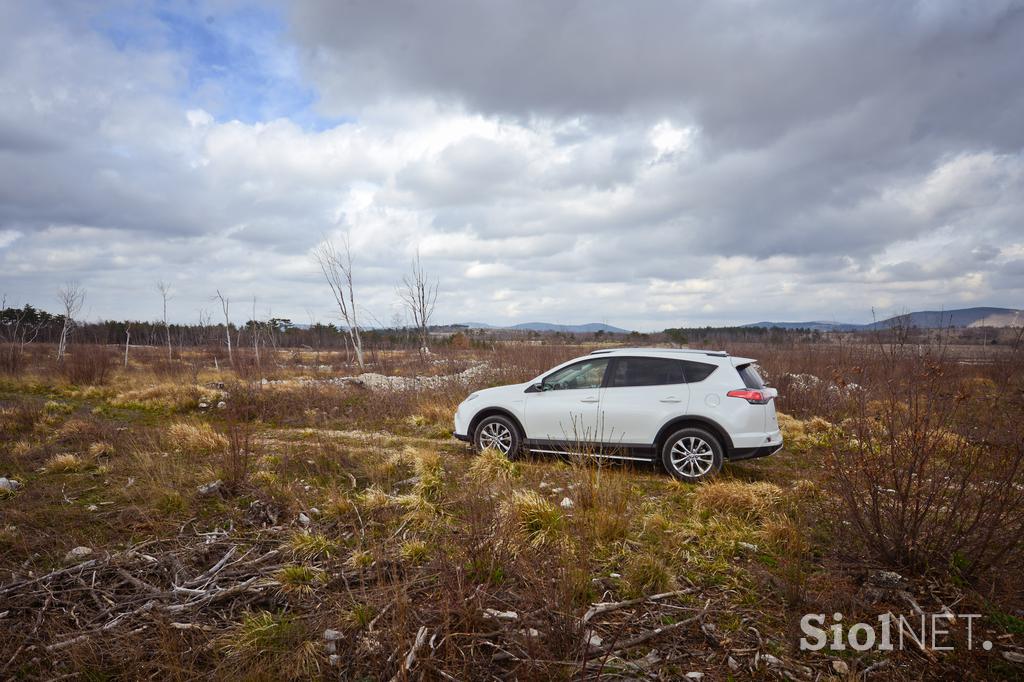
(671,399)
(589,400)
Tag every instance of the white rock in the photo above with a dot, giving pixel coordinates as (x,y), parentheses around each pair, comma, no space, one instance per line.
(529,632)
(840,667)
(221,405)
(566,503)
(695,676)
(78,553)
(209,488)
(747,546)
(557,490)
(771,660)
(733,663)
(334,659)
(8,485)
(203,406)
(92,508)
(501,615)
(595,640)
(886,578)
(303,519)
(314,511)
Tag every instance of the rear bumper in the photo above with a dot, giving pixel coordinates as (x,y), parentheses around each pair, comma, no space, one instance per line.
(737,454)
(461,436)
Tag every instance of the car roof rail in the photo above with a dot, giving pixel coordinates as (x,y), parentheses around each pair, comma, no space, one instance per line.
(692,351)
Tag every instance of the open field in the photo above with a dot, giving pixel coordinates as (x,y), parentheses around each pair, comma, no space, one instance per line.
(179,518)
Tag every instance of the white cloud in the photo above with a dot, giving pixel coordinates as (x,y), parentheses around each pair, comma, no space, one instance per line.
(720,202)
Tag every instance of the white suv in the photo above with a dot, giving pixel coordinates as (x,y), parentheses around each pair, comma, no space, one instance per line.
(693,409)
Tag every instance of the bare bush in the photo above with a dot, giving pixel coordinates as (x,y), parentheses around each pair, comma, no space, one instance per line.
(89,365)
(928,474)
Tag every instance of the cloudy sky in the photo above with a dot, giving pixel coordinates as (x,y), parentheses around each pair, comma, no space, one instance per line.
(645,164)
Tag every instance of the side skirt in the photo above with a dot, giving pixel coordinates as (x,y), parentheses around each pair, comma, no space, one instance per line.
(628,452)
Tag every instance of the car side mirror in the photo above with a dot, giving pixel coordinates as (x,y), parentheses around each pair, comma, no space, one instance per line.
(538,387)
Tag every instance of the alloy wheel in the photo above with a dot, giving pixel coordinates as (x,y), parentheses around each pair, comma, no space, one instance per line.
(496,435)
(692,456)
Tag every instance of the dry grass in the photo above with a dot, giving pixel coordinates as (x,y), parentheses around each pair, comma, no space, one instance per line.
(198,437)
(405,529)
(491,466)
(540,521)
(748,501)
(64,463)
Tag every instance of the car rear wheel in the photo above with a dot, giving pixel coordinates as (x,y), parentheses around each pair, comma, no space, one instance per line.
(692,454)
(498,433)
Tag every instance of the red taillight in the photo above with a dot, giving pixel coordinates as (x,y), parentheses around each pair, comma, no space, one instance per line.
(751,396)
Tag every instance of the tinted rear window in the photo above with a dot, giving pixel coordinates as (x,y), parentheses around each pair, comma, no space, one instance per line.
(751,379)
(697,371)
(646,372)
(657,372)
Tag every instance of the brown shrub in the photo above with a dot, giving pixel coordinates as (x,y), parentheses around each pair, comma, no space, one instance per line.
(919,485)
(88,365)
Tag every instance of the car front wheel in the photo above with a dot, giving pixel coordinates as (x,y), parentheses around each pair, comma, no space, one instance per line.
(498,433)
(692,454)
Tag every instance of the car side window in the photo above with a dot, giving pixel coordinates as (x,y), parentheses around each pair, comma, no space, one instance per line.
(586,374)
(646,372)
(697,371)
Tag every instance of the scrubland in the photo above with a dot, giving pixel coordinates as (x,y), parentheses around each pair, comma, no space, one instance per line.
(175,519)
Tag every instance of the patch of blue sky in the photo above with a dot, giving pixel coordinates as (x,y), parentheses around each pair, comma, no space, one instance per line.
(236,62)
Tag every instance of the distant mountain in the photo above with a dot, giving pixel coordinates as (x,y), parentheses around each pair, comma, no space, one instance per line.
(964,317)
(589,328)
(923,319)
(813,326)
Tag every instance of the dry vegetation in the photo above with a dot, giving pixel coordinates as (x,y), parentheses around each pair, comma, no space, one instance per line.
(177,521)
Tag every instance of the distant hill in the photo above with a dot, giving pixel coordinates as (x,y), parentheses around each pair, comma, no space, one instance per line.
(814,326)
(964,317)
(923,319)
(589,328)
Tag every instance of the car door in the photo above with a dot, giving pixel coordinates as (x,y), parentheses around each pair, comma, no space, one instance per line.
(640,395)
(565,412)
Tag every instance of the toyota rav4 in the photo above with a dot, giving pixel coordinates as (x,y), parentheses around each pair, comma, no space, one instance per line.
(690,409)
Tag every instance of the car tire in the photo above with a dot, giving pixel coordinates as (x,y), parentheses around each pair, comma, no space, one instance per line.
(499,433)
(692,454)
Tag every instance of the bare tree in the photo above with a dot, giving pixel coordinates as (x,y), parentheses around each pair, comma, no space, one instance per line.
(127,343)
(419,294)
(205,321)
(255,333)
(337,269)
(72,297)
(165,293)
(225,304)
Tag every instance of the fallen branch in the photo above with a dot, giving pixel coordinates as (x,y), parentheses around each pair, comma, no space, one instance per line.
(606,607)
(410,658)
(209,574)
(657,632)
(53,574)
